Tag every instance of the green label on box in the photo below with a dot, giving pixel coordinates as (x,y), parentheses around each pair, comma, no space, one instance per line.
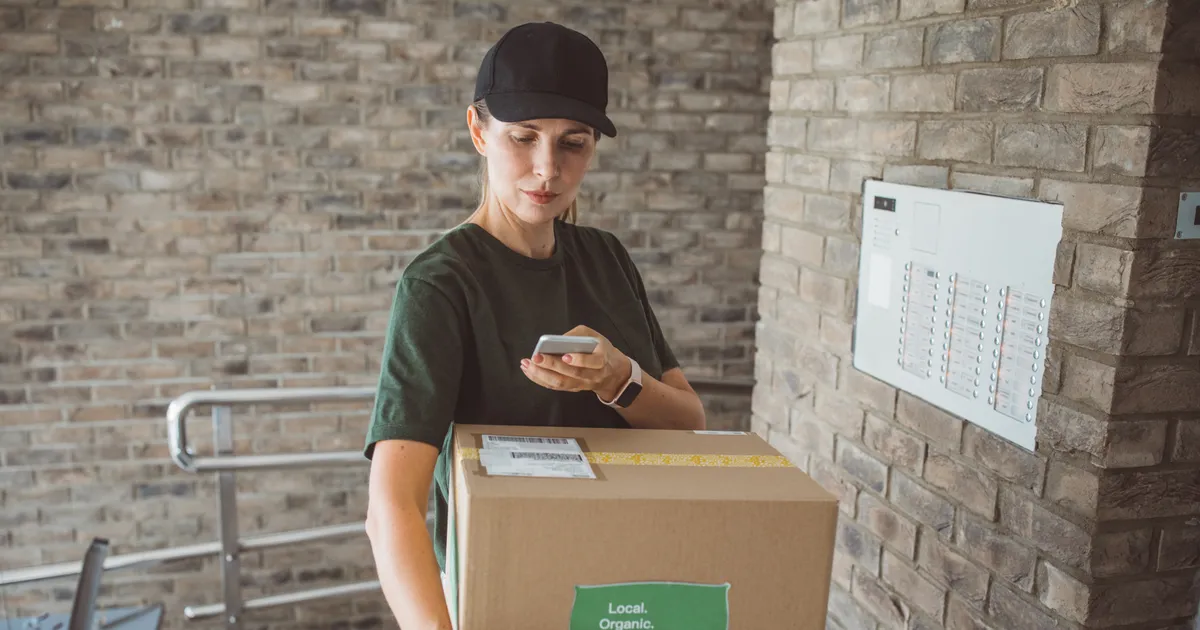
(651,606)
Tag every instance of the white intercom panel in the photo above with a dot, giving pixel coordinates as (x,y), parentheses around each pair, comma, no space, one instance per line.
(954,300)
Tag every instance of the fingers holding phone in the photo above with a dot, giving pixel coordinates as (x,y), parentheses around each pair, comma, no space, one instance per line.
(580,360)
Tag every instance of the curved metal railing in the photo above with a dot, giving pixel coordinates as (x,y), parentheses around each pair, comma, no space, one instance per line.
(185,457)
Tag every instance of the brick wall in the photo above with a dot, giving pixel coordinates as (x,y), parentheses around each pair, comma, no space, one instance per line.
(223,192)
(1090,104)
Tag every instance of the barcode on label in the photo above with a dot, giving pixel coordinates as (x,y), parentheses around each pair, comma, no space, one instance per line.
(552,457)
(528,440)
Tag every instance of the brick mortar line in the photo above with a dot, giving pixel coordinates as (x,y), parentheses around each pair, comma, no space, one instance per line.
(1031,117)
(1151,183)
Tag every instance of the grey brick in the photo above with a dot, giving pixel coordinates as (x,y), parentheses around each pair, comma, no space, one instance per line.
(803,247)
(1111,88)
(862,12)
(1134,28)
(784,16)
(887,138)
(1173,152)
(262,26)
(12,20)
(811,95)
(859,544)
(997,550)
(923,93)
(918,175)
(948,567)
(960,141)
(808,171)
(38,181)
(1000,90)
(923,504)
(198,23)
(827,213)
(1052,146)
(924,595)
(92,45)
(1121,150)
(773,168)
(794,57)
(842,607)
(29,43)
(1010,610)
(778,99)
(912,9)
(816,16)
(832,134)
(839,53)
(101,135)
(828,292)
(902,48)
(964,41)
(975,490)
(879,601)
(1111,209)
(847,176)
(1067,32)
(863,94)
(1057,537)
(312,50)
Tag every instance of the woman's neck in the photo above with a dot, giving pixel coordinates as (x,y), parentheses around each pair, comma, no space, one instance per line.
(532,240)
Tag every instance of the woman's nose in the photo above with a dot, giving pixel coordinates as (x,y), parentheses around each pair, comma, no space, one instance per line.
(545,162)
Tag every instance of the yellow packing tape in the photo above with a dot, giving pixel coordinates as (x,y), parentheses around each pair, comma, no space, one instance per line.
(674,459)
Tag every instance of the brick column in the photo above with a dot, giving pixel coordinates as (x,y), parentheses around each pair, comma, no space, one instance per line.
(944,525)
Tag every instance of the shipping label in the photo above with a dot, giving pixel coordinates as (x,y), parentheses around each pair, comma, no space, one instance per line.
(521,456)
(527,443)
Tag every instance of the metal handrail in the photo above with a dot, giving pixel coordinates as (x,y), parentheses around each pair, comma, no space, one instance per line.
(230,546)
(185,457)
(186,552)
(215,610)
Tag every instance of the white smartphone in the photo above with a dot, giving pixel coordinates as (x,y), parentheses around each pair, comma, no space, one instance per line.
(565,344)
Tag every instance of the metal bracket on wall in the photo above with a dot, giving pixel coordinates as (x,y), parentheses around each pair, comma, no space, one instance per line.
(1188,225)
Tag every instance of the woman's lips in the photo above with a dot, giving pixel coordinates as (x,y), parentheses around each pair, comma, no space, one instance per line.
(541,198)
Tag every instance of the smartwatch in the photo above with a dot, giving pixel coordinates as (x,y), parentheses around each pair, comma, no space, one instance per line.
(630,390)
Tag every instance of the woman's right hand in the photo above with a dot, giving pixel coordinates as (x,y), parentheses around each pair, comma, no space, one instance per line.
(398,493)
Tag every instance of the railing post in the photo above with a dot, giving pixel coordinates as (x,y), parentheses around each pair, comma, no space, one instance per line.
(228,520)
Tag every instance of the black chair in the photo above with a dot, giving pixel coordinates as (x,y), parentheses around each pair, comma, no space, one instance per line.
(83,615)
(83,610)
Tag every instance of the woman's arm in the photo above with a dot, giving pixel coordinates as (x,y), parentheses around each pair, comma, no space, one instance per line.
(398,495)
(667,404)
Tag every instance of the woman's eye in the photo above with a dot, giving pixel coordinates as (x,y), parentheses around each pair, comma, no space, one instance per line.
(523,139)
(574,146)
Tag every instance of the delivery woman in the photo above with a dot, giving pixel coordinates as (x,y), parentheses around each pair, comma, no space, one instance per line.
(469,310)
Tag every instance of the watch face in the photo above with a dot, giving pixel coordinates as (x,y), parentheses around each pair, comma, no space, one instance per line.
(631,391)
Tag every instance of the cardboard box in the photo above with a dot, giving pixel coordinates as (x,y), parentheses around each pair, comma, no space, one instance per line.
(664,530)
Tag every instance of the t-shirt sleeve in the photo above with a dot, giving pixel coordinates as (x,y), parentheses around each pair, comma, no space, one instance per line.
(421,368)
(662,348)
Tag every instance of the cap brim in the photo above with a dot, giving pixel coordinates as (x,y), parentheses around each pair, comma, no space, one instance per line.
(519,106)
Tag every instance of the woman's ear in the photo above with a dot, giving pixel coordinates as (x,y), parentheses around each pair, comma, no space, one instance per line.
(475,126)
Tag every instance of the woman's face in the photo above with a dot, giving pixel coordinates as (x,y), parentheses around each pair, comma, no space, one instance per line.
(534,167)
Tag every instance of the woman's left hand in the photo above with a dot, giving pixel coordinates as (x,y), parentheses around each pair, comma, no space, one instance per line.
(603,370)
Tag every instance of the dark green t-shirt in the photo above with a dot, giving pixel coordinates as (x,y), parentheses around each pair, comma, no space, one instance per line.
(468,309)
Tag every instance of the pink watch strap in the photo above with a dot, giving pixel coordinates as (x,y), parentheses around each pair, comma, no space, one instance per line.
(635,376)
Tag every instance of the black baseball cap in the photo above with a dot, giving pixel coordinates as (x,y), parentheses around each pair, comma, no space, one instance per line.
(545,70)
